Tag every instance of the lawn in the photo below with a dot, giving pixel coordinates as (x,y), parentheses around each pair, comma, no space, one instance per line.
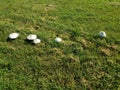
(82,61)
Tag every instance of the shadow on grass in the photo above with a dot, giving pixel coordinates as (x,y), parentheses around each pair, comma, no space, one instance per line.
(98,37)
(30,42)
(10,40)
(5,66)
(55,44)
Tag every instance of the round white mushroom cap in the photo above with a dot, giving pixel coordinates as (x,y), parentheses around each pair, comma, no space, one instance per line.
(102,34)
(31,37)
(57,39)
(36,41)
(14,35)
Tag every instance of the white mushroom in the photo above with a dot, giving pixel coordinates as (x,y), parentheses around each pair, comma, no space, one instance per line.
(13,35)
(102,34)
(31,37)
(57,39)
(36,41)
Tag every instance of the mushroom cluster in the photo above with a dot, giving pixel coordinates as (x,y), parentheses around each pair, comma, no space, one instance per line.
(35,40)
(33,37)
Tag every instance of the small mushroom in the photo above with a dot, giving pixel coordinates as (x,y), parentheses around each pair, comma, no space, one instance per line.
(31,37)
(13,35)
(57,39)
(36,41)
(102,34)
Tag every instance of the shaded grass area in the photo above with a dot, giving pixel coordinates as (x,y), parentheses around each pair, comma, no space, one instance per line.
(83,61)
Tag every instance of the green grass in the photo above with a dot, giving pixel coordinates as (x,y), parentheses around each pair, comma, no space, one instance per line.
(83,61)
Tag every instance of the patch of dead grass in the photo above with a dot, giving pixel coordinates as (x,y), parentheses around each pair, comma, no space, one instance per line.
(115,3)
(85,42)
(105,51)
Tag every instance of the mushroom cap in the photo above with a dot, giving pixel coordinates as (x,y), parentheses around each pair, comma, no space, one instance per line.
(57,39)
(31,37)
(36,41)
(13,35)
(102,34)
